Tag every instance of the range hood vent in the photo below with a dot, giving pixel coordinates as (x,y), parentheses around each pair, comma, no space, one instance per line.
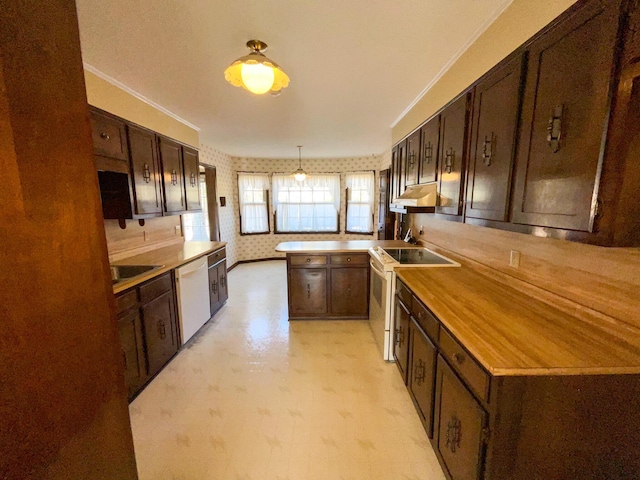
(416,196)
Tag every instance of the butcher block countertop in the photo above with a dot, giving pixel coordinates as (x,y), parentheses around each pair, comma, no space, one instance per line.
(511,333)
(169,257)
(338,246)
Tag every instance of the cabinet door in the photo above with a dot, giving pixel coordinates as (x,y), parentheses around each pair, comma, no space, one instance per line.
(307,292)
(222,282)
(135,370)
(160,332)
(192,178)
(402,167)
(422,375)
(109,136)
(172,177)
(413,158)
(401,338)
(349,291)
(495,119)
(145,172)
(453,151)
(631,53)
(460,422)
(214,289)
(430,138)
(564,115)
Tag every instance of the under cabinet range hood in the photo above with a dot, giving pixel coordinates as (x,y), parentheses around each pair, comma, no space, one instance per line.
(416,196)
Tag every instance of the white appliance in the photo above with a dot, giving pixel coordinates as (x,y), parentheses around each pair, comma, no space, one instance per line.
(192,281)
(382,304)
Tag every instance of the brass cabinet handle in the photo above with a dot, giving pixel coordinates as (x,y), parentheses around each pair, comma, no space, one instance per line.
(308,291)
(419,373)
(487,149)
(449,159)
(192,180)
(146,173)
(454,433)
(428,152)
(104,136)
(162,331)
(554,129)
(174,178)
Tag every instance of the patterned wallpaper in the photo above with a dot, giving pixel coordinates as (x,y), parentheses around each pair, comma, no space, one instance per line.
(251,247)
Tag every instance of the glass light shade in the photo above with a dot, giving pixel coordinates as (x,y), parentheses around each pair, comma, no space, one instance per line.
(299,175)
(257,77)
(235,73)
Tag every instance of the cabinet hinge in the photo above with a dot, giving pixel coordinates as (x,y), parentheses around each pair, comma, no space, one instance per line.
(597,208)
(486,433)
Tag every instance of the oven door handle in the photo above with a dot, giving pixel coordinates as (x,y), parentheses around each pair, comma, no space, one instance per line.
(380,273)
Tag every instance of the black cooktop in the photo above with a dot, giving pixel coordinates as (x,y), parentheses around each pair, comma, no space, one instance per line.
(416,256)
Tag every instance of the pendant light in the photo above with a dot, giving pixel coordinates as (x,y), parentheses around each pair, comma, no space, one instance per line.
(255,72)
(300,175)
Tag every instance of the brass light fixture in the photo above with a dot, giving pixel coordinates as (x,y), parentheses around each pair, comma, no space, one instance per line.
(299,174)
(255,72)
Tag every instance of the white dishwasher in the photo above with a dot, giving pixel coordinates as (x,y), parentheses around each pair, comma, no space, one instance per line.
(192,282)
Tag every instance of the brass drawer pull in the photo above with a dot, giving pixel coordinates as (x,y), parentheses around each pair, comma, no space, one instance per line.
(458,357)
(104,136)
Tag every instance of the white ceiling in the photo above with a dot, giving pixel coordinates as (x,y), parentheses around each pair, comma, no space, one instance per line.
(355,65)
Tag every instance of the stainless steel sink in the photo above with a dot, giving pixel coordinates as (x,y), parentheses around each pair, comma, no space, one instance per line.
(120,273)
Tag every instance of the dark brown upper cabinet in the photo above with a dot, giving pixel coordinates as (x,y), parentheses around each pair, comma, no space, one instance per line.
(429,142)
(172,175)
(394,185)
(564,115)
(413,158)
(146,175)
(402,167)
(109,142)
(495,118)
(191,178)
(453,152)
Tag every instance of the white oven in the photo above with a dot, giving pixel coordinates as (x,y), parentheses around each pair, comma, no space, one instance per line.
(383,263)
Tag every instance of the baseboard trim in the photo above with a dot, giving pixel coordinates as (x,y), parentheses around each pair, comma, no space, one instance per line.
(254,260)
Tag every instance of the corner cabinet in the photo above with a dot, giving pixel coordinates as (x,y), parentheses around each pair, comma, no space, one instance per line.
(525,426)
(328,285)
(148,327)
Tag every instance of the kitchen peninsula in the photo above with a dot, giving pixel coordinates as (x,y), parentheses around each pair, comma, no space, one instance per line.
(330,279)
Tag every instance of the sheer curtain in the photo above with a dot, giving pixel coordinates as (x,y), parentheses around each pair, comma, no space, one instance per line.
(252,195)
(360,201)
(308,206)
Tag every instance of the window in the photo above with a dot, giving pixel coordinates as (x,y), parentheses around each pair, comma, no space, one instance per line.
(360,191)
(308,206)
(252,195)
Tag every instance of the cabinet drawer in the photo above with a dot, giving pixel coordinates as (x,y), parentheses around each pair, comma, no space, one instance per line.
(217,256)
(353,259)
(470,370)
(308,260)
(126,300)
(403,293)
(425,319)
(156,287)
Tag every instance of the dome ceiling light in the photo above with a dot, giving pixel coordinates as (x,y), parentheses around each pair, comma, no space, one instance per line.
(300,175)
(255,72)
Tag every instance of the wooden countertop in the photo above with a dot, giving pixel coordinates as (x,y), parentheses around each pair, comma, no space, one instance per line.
(511,333)
(170,257)
(337,246)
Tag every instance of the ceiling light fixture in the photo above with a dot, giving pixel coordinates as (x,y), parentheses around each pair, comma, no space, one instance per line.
(255,72)
(299,174)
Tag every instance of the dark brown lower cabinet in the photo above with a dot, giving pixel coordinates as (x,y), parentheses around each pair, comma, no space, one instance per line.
(160,332)
(349,291)
(218,287)
(401,338)
(307,292)
(514,426)
(135,367)
(148,327)
(422,374)
(328,286)
(461,423)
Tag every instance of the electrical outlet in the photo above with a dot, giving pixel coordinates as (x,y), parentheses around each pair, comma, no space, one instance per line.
(177,229)
(421,230)
(145,235)
(514,259)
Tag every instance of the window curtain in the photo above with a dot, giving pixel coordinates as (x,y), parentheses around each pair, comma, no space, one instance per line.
(360,201)
(252,195)
(308,206)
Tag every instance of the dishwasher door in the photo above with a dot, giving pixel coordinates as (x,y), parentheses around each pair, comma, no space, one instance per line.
(192,282)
